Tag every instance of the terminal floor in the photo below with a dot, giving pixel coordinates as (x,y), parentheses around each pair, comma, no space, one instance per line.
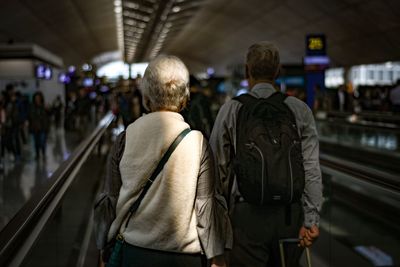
(347,227)
(19,180)
(354,232)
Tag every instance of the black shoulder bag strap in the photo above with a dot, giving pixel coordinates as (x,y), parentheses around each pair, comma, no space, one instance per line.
(157,170)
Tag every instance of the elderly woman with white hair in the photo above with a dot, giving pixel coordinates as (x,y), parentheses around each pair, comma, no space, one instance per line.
(181,219)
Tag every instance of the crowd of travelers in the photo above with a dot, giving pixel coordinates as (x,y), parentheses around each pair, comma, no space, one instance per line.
(19,117)
(364,99)
(23,116)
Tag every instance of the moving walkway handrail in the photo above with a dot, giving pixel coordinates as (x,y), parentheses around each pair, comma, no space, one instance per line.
(385,116)
(362,172)
(18,236)
(362,123)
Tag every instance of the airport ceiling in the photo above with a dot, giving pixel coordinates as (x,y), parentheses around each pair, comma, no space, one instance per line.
(204,33)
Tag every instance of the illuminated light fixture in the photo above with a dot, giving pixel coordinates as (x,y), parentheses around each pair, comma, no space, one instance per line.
(316,60)
(86,67)
(210,71)
(71,69)
(176,9)
(130,22)
(136,16)
(142,25)
(131,5)
(140,31)
(118,9)
(136,6)
(113,70)
(117,3)
(132,40)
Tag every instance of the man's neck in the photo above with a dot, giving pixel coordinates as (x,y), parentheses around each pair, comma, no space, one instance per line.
(253,83)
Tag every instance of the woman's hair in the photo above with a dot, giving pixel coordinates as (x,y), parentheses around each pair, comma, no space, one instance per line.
(165,84)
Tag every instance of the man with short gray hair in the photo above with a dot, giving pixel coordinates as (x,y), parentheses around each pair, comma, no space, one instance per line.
(259,227)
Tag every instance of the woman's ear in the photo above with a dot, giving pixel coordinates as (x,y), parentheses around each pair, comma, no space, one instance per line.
(184,104)
(278,72)
(146,103)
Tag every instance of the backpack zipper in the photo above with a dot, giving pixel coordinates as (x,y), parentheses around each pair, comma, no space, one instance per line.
(251,146)
(291,171)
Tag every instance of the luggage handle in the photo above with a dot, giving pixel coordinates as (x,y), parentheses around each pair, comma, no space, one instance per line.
(292,240)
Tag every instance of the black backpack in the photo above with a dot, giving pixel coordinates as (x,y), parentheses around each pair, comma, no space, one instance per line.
(268,162)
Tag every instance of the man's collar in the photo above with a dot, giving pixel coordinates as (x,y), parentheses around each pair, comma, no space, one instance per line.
(262,90)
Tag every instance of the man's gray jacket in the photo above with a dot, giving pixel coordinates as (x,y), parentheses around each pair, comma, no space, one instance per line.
(223,144)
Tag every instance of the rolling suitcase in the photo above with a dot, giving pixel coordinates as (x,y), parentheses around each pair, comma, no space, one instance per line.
(292,240)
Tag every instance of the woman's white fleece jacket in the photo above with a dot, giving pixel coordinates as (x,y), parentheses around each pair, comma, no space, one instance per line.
(166,218)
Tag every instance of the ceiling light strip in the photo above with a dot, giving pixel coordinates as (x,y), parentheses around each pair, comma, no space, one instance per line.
(119,24)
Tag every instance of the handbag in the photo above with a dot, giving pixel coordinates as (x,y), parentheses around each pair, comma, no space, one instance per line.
(116,254)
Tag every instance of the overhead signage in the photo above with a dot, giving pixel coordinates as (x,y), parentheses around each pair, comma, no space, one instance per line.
(315,45)
(43,72)
(316,60)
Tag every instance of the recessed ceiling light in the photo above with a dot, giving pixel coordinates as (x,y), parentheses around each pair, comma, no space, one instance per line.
(176,9)
(131,5)
(118,9)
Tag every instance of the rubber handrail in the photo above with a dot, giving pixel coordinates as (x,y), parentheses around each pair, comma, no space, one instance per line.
(365,173)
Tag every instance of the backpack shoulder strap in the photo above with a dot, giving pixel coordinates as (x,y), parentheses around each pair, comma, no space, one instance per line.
(277,97)
(245,99)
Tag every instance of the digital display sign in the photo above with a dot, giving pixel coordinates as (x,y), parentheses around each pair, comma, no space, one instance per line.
(43,72)
(64,78)
(316,60)
(315,45)
(87,82)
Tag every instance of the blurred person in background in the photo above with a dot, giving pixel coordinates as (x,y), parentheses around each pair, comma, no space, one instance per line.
(319,98)
(83,105)
(342,99)
(395,97)
(57,111)
(366,100)
(198,113)
(23,108)
(39,124)
(137,101)
(70,111)
(125,107)
(12,123)
(384,98)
